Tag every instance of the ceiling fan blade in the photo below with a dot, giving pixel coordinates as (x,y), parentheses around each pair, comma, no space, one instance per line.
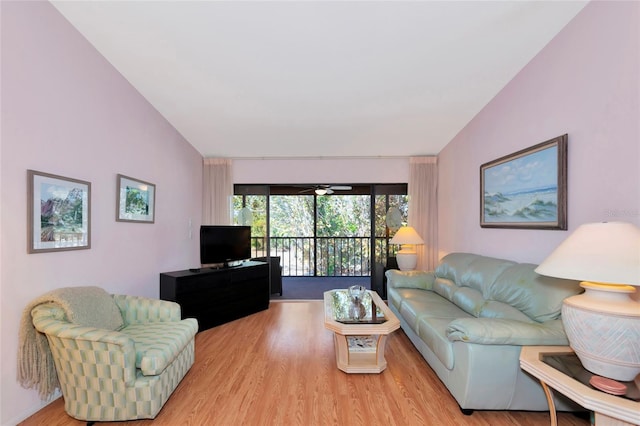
(340,187)
(329,191)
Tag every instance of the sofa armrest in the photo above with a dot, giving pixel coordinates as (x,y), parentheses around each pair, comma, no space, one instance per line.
(498,331)
(410,279)
(138,310)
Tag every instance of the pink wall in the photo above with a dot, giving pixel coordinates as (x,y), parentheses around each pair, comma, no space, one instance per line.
(584,83)
(66,111)
(321,170)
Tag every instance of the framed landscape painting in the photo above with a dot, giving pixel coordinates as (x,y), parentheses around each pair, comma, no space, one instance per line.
(135,200)
(526,189)
(59,213)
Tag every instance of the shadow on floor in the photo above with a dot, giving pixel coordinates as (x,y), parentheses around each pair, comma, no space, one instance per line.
(312,288)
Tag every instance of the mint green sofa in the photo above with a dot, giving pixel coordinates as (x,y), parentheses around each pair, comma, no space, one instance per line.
(126,373)
(469,319)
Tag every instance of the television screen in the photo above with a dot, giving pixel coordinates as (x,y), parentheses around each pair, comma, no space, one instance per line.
(223,244)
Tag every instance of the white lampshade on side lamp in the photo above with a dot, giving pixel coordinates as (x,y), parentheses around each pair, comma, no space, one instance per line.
(603,323)
(407,257)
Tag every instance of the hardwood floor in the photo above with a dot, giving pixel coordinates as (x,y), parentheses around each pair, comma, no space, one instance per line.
(277,367)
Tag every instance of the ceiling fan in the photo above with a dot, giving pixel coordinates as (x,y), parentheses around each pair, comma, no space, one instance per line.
(326,189)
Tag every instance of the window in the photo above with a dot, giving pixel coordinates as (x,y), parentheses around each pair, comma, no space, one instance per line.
(321,235)
(253,199)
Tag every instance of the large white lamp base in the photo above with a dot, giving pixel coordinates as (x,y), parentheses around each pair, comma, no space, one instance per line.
(603,328)
(407,259)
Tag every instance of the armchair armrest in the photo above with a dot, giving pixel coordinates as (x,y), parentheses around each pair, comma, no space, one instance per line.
(75,343)
(137,310)
(410,279)
(498,331)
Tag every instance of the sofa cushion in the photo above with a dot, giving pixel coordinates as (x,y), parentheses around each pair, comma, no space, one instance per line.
(428,315)
(469,299)
(433,331)
(453,265)
(410,279)
(426,303)
(395,296)
(417,302)
(472,302)
(482,272)
(537,296)
(497,288)
(463,278)
(159,343)
(445,287)
(493,309)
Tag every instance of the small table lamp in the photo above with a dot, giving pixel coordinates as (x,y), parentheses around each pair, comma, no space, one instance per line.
(603,323)
(407,257)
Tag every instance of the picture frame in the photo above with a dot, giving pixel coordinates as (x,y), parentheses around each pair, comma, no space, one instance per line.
(135,200)
(526,189)
(58,213)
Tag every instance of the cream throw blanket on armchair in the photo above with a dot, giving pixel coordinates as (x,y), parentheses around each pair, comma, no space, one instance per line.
(86,306)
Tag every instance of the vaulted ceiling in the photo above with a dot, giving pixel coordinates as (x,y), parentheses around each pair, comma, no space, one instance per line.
(318,78)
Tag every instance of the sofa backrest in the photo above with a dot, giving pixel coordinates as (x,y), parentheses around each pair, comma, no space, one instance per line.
(496,288)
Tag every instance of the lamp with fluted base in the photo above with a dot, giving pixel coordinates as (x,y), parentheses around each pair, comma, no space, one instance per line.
(407,257)
(603,323)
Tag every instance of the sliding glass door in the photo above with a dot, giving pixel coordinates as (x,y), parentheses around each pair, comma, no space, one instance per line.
(345,233)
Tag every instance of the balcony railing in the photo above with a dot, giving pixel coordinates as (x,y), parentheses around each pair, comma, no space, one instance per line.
(323,256)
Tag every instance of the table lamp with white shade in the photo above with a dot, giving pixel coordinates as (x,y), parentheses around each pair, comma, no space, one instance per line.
(407,257)
(603,323)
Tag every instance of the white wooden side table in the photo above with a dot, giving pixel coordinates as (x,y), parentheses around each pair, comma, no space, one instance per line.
(609,410)
(359,344)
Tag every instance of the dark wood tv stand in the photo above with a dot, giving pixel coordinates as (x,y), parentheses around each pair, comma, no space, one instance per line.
(217,296)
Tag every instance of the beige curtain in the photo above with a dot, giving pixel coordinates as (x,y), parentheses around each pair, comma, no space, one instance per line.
(423,208)
(217,188)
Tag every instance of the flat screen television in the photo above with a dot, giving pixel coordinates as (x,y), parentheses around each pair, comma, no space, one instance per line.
(223,246)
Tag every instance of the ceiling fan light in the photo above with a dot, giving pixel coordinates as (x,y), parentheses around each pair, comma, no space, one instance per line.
(321,191)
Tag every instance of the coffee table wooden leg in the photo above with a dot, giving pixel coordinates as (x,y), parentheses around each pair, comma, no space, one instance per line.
(342,350)
(380,360)
(552,406)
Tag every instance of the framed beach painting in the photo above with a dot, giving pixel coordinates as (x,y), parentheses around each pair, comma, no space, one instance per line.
(135,200)
(59,211)
(526,189)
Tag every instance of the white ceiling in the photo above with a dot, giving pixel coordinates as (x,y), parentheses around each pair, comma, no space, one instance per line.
(318,78)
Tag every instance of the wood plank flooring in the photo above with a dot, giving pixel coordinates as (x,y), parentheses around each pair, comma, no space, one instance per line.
(277,367)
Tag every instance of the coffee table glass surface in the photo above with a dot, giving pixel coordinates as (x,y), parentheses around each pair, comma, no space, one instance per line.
(343,309)
(570,365)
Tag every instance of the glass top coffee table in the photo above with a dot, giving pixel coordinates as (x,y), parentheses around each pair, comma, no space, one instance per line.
(359,332)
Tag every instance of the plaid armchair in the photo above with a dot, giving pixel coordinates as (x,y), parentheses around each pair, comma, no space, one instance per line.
(123,374)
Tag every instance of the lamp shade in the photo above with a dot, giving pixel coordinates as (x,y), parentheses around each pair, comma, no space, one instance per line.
(406,256)
(607,252)
(406,235)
